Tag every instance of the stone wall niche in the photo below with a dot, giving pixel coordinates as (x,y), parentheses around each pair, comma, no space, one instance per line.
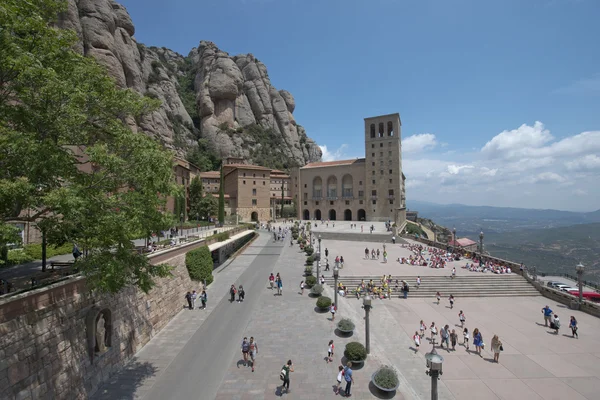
(99,331)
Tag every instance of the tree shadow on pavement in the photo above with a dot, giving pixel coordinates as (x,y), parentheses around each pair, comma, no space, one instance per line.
(125,384)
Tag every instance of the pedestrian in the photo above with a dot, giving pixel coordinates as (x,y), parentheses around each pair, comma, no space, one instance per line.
(451,300)
(453,339)
(422,328)
(340,376)
(332,310)
(496,346)
(573,326)
(271,281)
(203,298)
(385,257)
(418,282)
(378,254)
(444,336)
(232,292)
(326,265)
(337,261)
(366,253)
(253,350)
(302,288)
(241,294)
(555,324)
(393,239)
(466,338)
(433,330)
(405,289)
(349,379)
(194,297)
(462,318)
(76,252)
(342,261)
(330,351)
(438,296)
(478,341)
(326,252)
(188,297)
(417,339)
(245,350)
(322,279)
(453,272)
(284,375)
(547,314)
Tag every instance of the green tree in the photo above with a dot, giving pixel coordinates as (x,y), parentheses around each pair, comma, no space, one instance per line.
(195,196)
(67,154)
(8,234)
(282,199)
(208,207)
(200,265)
(221,199)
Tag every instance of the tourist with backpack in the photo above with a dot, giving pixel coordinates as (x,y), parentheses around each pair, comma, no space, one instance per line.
(245,350)
(284,375)
(232,292)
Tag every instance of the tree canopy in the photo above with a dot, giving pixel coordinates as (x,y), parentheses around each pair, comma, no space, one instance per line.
(69,160)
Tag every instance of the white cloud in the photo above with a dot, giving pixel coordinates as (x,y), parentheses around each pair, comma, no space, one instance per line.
(418,143)
(589,162)
(455,169)
(509,143)
(334,155)
(548,177)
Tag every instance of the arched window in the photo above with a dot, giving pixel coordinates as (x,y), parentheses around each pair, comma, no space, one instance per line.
(317,188)
(390,129)
(347,186)
(372,130)
(381,129)
(332,187)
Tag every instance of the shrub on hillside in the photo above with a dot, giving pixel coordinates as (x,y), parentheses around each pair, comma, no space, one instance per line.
(199,264)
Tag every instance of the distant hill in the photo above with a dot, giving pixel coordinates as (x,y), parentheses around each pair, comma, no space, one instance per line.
(472,219)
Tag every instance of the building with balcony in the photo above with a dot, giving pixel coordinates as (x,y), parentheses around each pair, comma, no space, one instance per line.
(362,189)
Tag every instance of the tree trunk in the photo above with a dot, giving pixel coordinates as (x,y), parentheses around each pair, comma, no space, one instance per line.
(44,244)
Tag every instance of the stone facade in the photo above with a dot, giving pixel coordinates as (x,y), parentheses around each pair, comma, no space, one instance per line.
(44,348)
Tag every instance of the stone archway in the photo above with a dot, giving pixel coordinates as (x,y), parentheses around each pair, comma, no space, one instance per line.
(306,215)
(332,215)
(348,215)
(318,215)
(362,215)
(254,216)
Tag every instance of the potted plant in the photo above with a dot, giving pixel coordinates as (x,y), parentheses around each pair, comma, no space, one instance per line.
(346,326)
(316,290)
(323,303)
(385,379)
(310,281)
(308,270)
(310,260)
(355,352)
(309,250)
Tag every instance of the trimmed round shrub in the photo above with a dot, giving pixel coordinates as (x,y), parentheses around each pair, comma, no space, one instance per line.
(355,352)
(295,235)
(345,325)
(308,270)
(386,377)
(199,264)
(309,250)
(325,302)
(310,260)
(310,281)
(316,290)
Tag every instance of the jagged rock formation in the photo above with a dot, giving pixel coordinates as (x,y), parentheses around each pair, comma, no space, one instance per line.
(230,100)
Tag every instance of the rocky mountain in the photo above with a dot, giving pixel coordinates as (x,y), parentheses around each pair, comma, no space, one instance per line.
(226,102)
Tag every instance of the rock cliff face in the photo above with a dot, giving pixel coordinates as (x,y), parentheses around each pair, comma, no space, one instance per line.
(229,100)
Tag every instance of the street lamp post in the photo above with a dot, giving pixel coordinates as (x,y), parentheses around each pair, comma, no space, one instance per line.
(367,307)
(319,260)
(580,268)
(336,274)
(434,361)
(453,239)
(181,226)
(481,243)
(197,222)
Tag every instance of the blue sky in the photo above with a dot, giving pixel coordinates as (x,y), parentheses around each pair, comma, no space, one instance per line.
(470,78)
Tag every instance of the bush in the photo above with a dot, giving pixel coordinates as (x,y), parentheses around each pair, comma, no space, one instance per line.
(295,235)
(324,302)
(345,325)
(355,352)
(310,260)
(199,264)
(221,237)
(310,281)
(309,250)
(35,250)
(386,377)
(316,290)
(308,270)
(19,256)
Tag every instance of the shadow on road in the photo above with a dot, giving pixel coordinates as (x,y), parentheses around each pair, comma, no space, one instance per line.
(130,378)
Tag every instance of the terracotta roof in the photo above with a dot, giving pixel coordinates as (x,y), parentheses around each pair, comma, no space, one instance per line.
(463,242)
(277,171)
(247,166)
(334,163)
(210,174)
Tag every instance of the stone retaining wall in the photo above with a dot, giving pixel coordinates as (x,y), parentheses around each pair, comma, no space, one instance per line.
(46,351)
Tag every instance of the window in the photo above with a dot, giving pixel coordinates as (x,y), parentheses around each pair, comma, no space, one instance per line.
(380,129)
(359,183)
(253,192)
(390,153)
(254,175)
(264,176)
(347,202)
(373,164)
(372,145)
(391,201)
(304,185)
(372,172)
(390,128)
(380,144)
(381,153)
(390,144)
(305,202)
(391,192)
(381,171)
(306,195)
(361,193)
(244,182)
(372,130)
(373,181)
(331,203)
(374,201)
(373,192)
(372,154)
(391,172)
(244,174)
(390,181)
(253,202)
(360,202)
(316,203)
(380,162)
(264,183)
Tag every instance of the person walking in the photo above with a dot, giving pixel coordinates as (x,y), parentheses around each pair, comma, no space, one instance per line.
(555,324)
(279,285)
(422,328)
(326,252)
(378,254)
(434,331)
(349,379)
(340,376)
(438,296)
(322,280)
(453,339)
(466,338)
(478,341)
(573,326)
(76,252)
(461,318)
(330,351)
(405,289)
(418,282)
(271,281)
(194,297)
(188,297)
(496,346)
(453,272)
(285,376)
(451,300)
(253,351)
(366,253)
(245,350)
(241,294)
(547,314)
(332,310)
(417,339)
(302,288)
(203,299)
(232,292)
(444,336)
(342,261)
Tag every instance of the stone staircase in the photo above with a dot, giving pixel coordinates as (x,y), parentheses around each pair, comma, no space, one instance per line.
(380,237)
(475,285)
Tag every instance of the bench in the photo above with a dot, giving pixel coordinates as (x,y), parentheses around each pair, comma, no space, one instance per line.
(61,264)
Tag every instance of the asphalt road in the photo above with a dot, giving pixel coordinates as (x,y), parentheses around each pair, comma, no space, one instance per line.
(206,358)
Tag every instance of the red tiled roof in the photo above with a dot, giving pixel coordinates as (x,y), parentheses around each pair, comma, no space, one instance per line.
(247,166)
(334,163)
(210,174)
(463,242)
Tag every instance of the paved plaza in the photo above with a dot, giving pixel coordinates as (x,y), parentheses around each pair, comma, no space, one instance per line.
(198,354)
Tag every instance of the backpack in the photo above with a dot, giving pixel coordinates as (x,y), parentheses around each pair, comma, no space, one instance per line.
(245,346)
(283,373)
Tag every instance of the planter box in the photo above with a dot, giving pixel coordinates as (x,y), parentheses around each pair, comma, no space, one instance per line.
(382,388)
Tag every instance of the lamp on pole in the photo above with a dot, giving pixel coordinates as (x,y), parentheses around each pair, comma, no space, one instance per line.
(197,222)
(434,361)
(481,243)
(580,268)
(453,239)
(181,225)
(336,274)
(367,307)
(319,260)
